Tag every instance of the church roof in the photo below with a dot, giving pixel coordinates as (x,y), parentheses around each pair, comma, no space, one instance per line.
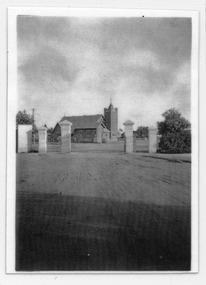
(105,130)
(84,122)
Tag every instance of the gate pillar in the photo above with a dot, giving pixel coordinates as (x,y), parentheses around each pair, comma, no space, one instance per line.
(128,136)
(24,138)
(152,140)
(65,136)
(42,131)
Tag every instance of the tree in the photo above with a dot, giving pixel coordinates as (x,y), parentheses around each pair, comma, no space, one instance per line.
(142,132)
(175,132)
(22,118)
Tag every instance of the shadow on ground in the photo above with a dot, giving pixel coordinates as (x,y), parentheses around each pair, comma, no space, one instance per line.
(56,232)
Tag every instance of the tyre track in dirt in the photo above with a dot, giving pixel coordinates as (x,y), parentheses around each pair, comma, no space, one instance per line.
(114,176)
(102,211)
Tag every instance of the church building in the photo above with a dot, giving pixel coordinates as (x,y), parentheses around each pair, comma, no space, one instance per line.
(91,128)
(84,129)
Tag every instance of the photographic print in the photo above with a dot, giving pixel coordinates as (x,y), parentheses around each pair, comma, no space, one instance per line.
(102,122)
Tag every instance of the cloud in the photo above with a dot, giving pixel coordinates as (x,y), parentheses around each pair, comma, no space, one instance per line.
(181,90)
(143,59)
(48,69)
(35,28)
(75,65)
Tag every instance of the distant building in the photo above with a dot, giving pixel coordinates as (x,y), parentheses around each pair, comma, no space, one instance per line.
(49,134)
(85,129)
(111,121)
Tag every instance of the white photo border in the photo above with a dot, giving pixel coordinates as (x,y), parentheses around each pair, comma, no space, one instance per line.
(12,108)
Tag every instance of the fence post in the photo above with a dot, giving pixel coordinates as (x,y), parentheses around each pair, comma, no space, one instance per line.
(65,136)
(152,140)
(42,131)
(128,136)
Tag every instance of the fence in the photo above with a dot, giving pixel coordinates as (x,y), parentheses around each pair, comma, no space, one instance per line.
(141,145)
(26,143)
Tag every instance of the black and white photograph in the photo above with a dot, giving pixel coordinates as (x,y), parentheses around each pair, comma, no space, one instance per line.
(103,109)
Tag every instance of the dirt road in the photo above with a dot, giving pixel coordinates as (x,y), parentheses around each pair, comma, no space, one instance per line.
(116,176)
(102,211)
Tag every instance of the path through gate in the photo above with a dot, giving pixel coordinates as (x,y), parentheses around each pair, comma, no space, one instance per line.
(54,146)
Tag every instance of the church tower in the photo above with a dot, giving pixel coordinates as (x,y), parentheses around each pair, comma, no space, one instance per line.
(111,121)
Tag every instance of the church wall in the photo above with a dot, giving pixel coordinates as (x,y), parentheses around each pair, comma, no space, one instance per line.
(106,137)
(56,133)
(84,135)
(99,134)
(78,135)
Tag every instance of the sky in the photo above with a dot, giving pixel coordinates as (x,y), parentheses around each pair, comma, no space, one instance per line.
(75,66)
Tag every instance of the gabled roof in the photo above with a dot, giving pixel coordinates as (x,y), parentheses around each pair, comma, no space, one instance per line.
(105,130)
(84,122)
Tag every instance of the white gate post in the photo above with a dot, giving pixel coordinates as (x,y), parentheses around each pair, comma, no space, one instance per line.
(24,138)
(152,140)
(128,136)
(42,131)
(65,136)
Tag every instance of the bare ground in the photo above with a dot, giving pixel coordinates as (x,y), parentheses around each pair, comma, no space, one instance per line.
(102,211)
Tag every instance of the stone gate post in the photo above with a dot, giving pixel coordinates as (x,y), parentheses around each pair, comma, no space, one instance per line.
(24,138)
(152,140)
(65,136)
(128,136)
(42,132)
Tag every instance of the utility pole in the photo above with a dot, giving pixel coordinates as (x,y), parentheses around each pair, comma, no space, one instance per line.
(33,125)
(33,114)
